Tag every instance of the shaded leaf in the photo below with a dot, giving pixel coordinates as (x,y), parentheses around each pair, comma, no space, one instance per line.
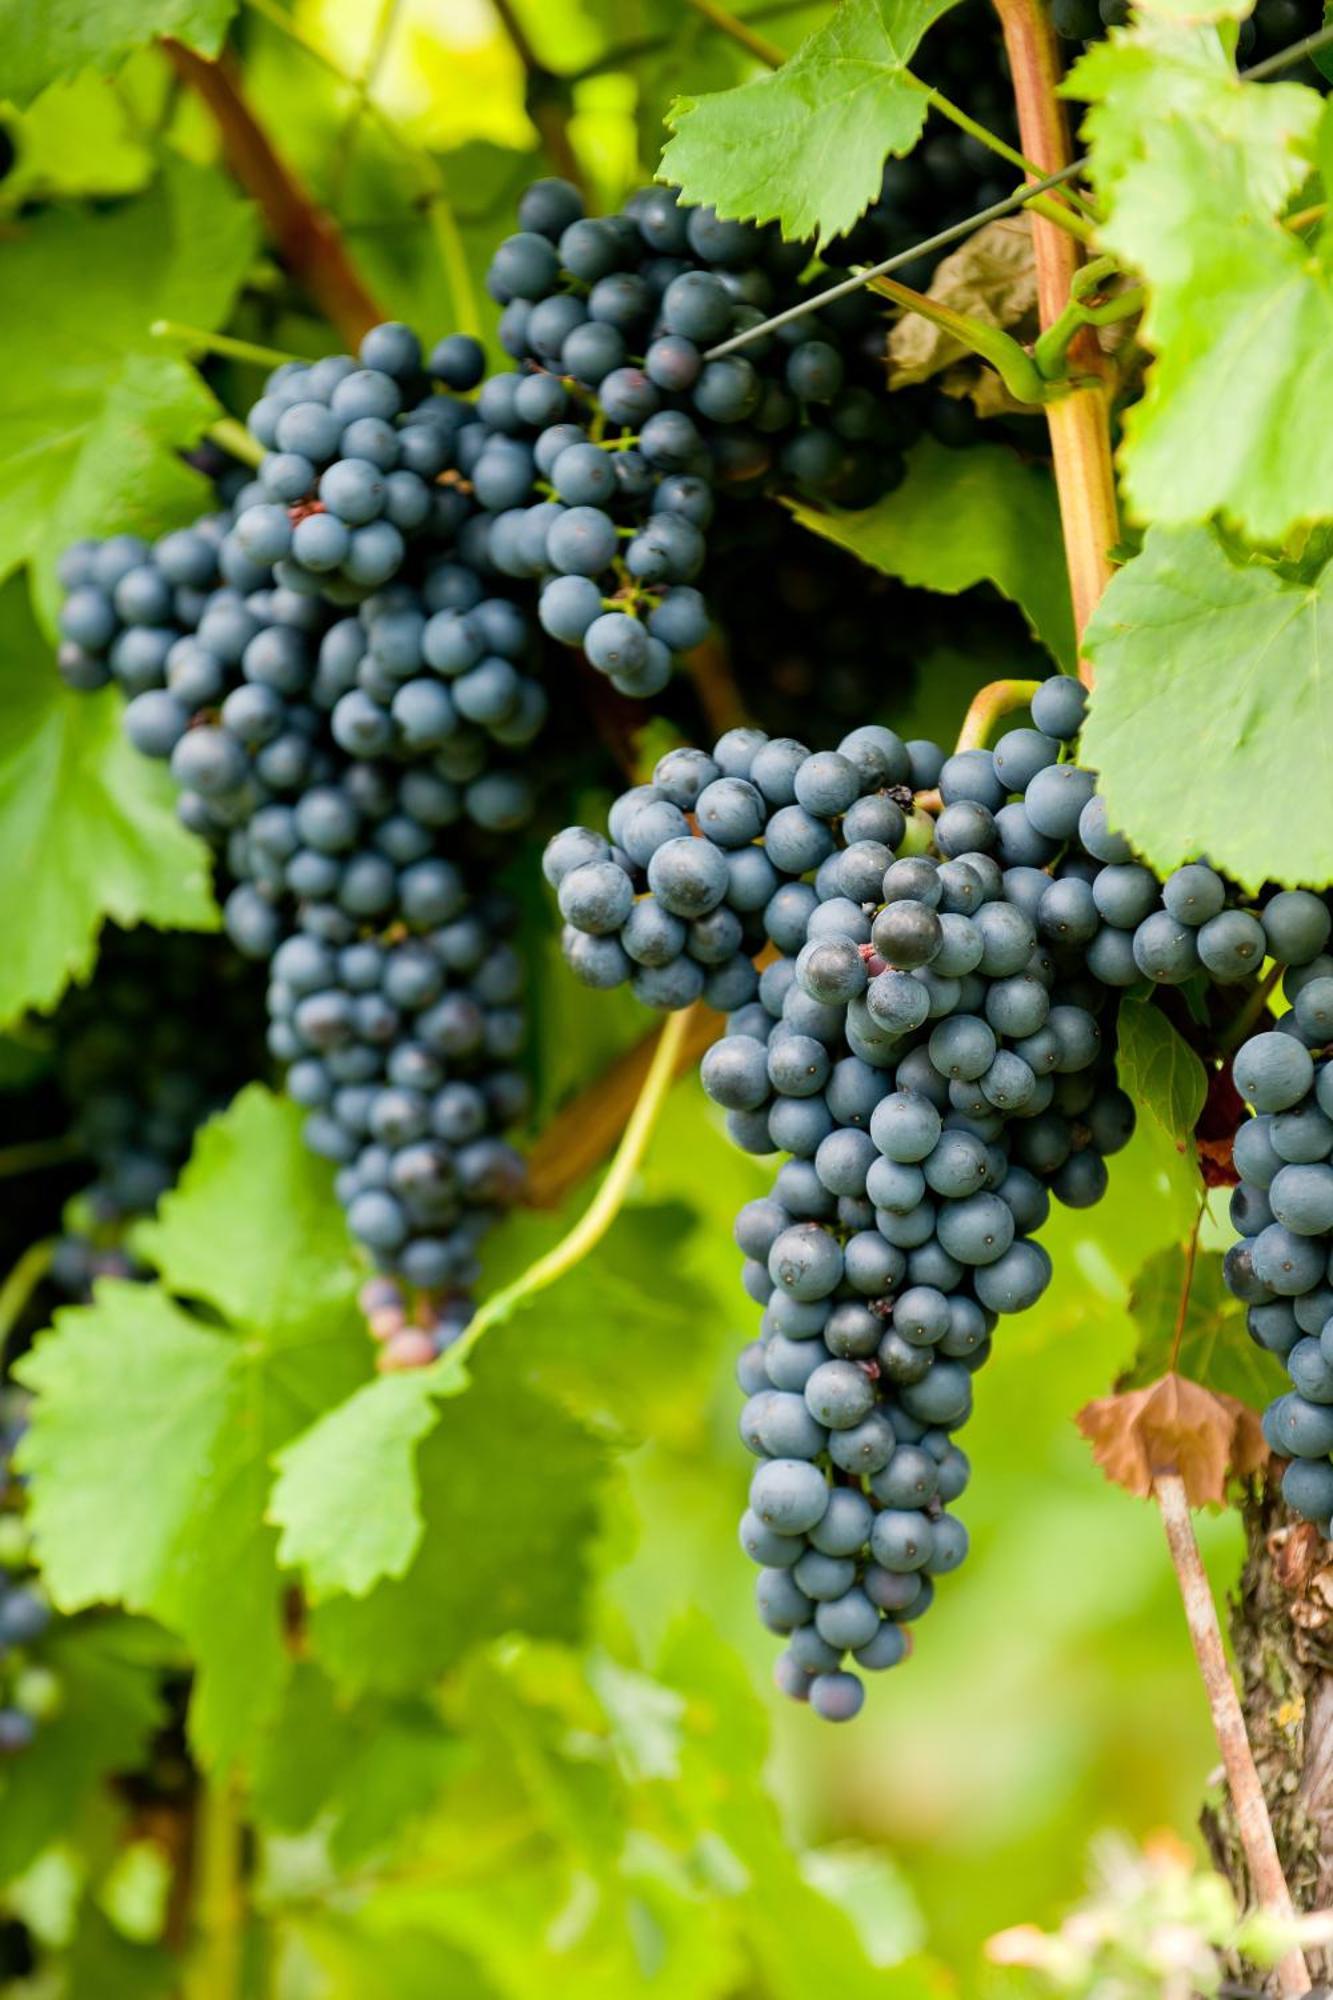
(959,518)
(1159,1069)
(111,1703)
(364,1771)
(1174,1425)
(1218,669)
(1214,1347)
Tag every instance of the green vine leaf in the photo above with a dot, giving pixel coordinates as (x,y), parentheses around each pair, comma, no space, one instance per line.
(88,828)
(1159,1069)
(347,1497)
(806,145)
(1219,668)
(94,413)
(208,1402)
(110,1708)
(509,1492)
(960,518)
(41,40)
(1215,1347)
(1196,171)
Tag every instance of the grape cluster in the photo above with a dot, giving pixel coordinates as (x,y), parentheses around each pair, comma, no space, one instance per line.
(349,738)
(926,1045)
(30,1692)
(605,445)
(1283,1208)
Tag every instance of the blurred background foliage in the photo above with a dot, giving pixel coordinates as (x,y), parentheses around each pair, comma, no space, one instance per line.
(647,1814)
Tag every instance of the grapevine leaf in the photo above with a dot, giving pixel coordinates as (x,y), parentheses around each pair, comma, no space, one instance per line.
(87,826)
(78,138)
(1174,1425)
(110,1706)
(255,1162)
(41,40)
(93,412)
(363,1769)
(1195,171)
(346,1496)
(1159,1069)
(102,1960)
(1190,648)
(1214,1347)
(395,1961)
(806,145)
(965,517)
(506,1541)
(208,1403)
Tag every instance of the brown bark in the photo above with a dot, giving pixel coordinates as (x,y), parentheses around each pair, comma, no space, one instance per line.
(304,236)
(1282,1634)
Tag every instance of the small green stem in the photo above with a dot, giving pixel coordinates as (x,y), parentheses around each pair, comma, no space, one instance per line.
(35,1154)
(214,1970)
(740,32)
(453,256)
(597,1218)
(201,341)
(20,1285)
(231,436)
(1012,362)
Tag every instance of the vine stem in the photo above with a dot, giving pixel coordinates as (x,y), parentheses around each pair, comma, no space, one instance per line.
(740,32)
(1252,1821)
(214,1971)
(20,1285)
(1187,1280)
(550,117)
(1078,422)
(606,1204)
(583,1132)
(307,238)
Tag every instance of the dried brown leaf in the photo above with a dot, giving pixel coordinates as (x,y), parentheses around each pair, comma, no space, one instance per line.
(990,277)
(1174,1425)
